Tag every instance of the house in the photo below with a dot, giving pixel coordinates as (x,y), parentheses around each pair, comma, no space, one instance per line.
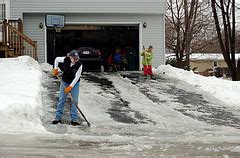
(204,63)
(103,24)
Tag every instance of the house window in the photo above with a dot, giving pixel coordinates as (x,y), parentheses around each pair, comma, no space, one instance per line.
(2,12)
(215,63)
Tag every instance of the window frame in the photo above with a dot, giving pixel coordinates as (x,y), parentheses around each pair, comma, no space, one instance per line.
(5,9)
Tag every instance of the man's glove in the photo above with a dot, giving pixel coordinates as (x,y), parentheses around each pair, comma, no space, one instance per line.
(55,72)
(68,89)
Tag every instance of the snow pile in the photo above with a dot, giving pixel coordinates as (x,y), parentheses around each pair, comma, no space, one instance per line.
(20,95)
(225,90)
(46,67)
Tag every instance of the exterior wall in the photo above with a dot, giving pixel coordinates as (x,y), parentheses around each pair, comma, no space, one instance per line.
(87,6)
(152,12)
(222,63)
(201,65)
(152,35)
(32,30)
(204,65)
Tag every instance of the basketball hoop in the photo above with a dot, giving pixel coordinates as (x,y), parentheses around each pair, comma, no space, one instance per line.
(56,21)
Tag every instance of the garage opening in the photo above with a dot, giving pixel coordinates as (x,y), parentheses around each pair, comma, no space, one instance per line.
(100,46)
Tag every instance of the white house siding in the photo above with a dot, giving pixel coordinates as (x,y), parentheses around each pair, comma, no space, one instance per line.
(149,11)
(32,30)
(87,6)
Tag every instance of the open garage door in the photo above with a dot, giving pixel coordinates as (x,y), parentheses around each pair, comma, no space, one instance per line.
(98,45)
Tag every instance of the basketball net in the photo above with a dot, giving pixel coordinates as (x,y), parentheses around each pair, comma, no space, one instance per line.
(58,29)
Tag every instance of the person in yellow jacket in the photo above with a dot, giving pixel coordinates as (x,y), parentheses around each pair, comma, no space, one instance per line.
(147,62)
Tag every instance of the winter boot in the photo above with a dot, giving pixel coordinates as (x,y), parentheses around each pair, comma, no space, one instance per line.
(153,78)
(75,123)
(56,121)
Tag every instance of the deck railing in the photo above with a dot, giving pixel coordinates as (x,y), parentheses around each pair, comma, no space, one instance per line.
(16,43)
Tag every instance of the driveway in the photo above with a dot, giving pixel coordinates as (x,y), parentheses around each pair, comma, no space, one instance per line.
(133,117)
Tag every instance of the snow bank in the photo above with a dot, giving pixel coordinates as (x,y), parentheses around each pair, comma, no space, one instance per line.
(225,90)
(20,95)
(46,67)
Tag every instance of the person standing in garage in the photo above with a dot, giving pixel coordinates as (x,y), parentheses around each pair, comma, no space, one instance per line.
(117,60)
(147,62)
(72,69)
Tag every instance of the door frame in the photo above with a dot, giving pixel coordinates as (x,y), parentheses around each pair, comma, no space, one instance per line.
(106,23)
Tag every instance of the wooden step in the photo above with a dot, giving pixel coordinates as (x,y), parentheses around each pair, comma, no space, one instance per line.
(15,41)
(3,47)
(10,53)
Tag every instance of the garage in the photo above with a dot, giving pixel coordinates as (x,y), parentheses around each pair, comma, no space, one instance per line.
(107,39)
(97,20)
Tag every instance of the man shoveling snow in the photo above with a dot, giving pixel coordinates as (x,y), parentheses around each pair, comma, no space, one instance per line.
(72,69)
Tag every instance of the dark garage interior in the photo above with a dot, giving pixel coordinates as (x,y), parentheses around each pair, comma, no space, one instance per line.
(106,39)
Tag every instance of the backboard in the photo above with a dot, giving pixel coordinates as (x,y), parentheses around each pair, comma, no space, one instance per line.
(55,20)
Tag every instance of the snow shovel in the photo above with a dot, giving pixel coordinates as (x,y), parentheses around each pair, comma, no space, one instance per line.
(88,123)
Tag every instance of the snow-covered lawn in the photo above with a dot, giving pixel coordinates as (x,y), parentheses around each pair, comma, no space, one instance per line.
(225,90)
